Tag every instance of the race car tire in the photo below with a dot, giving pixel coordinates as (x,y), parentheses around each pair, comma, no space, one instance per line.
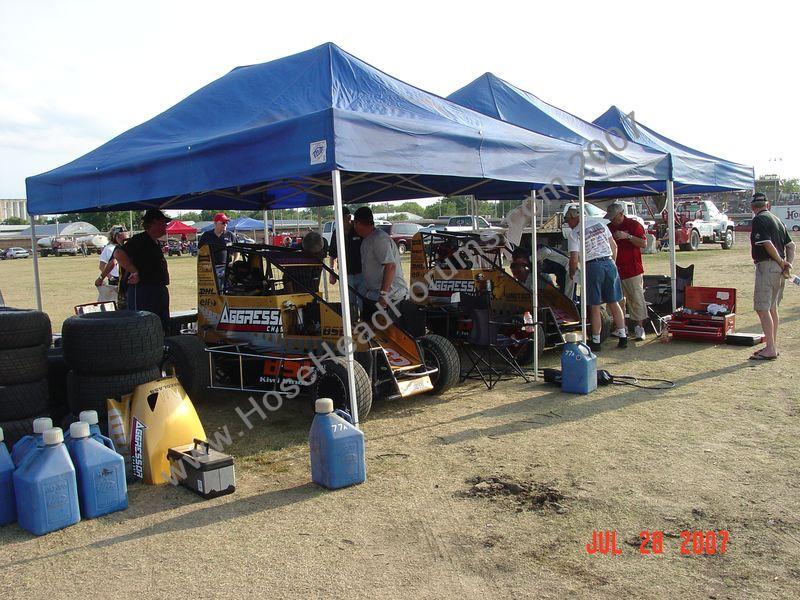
(57,370)
(23,365)
(439,352)
(187,356)
(91,392)
(607,322)
(524,356)
(333,384)
(22,328)
(120,341)
(24,400)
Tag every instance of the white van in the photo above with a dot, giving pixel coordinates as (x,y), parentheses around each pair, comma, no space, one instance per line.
(790,215)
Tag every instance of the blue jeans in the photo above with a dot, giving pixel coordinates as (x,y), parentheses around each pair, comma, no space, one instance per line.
(602,282)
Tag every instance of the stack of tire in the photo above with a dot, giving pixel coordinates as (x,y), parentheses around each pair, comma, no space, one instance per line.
(25,336)
(109,354)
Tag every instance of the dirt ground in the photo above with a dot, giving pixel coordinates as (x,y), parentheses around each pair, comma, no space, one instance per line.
(472,494)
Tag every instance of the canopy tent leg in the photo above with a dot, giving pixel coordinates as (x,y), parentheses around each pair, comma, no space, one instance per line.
(324,278)
(535,294)
(581,210)
(673,261)
(347,326)
(37,287)
(266,228)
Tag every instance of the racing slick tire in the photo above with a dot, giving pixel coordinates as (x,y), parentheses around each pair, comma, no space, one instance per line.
(333,384)
(439,352)
(607,322)
(186,354)
(120,341)
(23,365)
(21,328)
(23,400)
(90,392)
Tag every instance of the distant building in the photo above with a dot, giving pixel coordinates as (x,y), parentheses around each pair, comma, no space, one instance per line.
(13,208)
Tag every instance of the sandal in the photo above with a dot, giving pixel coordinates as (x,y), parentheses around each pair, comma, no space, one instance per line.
(762,357)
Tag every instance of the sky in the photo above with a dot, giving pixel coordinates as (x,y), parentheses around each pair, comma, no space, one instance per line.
(717,76)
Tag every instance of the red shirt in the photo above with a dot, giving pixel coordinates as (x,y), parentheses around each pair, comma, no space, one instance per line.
(629,257)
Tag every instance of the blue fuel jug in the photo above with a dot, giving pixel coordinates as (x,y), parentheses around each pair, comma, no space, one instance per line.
(578,366)
(45,487)
(100,474)
(8,507)
(337,449)
(90,417)
(27,444)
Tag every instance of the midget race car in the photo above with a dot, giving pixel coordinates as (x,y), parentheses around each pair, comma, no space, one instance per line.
(477,260)
(265,328)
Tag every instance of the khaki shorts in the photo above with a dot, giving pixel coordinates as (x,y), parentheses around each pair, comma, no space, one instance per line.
(633,289)
(768,291)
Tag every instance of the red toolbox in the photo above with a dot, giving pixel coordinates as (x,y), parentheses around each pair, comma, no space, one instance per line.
(693,322)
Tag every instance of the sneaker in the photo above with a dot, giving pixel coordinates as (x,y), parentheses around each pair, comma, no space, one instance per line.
(595,346)
(639,333)
(622,343)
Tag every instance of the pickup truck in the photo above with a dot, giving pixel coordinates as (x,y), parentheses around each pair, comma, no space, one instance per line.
(699,221)
(57,247)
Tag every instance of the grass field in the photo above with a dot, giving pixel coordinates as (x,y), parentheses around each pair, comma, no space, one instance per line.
(718,452)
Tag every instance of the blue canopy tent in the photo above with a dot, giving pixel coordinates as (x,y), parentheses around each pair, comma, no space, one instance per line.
(626,169)
(621,168)
(239,224)
(315,128)
(691,171)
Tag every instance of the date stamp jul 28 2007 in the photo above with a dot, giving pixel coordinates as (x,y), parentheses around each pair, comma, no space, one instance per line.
(693,543)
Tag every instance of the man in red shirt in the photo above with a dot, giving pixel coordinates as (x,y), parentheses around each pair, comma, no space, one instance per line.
(630,238)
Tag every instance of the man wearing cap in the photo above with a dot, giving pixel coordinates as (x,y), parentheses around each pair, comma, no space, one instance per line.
(380,265)
(772,250)
(630,238)
(218,240)
(602,278)
(145,268)
(352,242)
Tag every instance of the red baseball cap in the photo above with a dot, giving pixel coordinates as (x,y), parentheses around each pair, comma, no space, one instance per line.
(221,218)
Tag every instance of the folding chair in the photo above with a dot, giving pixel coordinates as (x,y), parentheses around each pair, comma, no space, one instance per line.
(658,296)
(489,339)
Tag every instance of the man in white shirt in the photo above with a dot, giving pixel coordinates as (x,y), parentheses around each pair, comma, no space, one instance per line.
(602,278)
(109,267)
(380,265)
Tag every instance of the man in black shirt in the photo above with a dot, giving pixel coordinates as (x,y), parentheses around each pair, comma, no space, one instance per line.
(353,253)
(218,239)
(772,250)
(145,267)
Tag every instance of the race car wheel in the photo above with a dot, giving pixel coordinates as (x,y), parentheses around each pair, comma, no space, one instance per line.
(23,400)
(607,324)
(90,392)
(727,241)
(120,341)
(20,328)
(439,353)
(186,355)
(333,384)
